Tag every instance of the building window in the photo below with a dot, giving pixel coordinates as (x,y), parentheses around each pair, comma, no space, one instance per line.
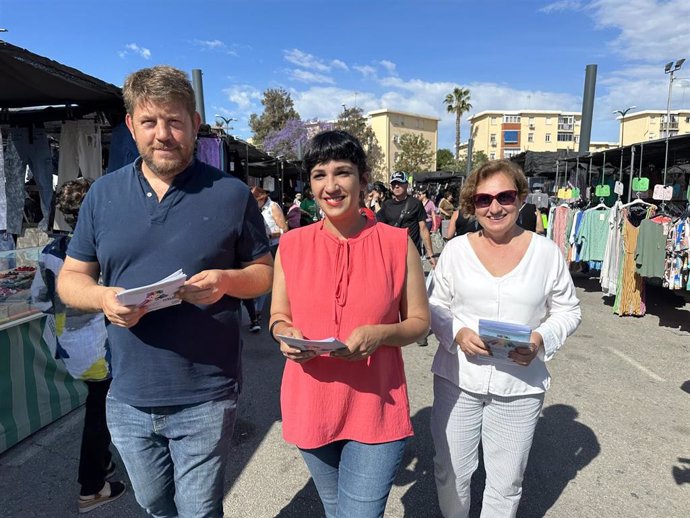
(530,137)
(511,152)
(493,120)
(547,137)
(565,137)
(531,121)
(511,137)
(492,156)
(492,138)
(511,119)
(548,121)
(576,139)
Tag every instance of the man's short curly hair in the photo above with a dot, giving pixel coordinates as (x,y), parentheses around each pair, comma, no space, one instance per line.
(70,196)
(486,170)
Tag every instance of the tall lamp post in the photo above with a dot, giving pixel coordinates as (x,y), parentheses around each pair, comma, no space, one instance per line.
(622,113)
(671,68)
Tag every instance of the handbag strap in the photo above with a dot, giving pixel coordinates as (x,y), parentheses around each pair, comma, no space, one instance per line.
(403,213)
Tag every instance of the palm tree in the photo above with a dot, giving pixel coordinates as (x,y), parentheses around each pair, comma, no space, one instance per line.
(458,102)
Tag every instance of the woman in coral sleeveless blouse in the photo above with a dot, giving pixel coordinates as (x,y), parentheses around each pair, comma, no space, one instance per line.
(361,282)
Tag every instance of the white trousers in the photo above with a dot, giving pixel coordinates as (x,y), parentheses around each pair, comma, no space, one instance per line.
(505,425)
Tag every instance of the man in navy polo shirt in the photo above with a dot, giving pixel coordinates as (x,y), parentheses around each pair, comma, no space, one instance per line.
(176,371)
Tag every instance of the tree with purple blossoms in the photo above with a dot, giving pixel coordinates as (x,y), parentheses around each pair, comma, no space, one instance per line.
(287,141)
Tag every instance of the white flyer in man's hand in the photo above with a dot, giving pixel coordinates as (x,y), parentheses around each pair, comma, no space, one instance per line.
(154,296)
(326,345)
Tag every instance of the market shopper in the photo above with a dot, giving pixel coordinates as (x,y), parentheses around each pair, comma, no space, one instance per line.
(505,273)
(407,212)
(354,279)
(176,371)
(81,342)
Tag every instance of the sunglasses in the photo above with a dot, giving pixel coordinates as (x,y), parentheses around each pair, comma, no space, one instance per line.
(483,200)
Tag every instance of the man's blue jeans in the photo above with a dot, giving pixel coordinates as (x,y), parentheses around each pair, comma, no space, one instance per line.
(354,479)
(175,456)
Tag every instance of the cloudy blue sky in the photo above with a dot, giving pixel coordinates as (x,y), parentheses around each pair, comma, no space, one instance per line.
(399,54)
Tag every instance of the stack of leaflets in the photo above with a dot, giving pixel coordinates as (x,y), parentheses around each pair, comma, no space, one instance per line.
(501,338)
(155,296)
(326,345)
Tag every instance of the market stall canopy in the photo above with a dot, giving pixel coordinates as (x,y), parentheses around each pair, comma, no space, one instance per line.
(261,164)
(28,79)
(438,176)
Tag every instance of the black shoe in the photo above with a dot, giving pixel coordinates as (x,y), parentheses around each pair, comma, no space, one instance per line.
(254,327)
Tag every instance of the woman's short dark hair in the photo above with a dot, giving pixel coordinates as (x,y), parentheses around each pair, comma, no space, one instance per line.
(487,170)
(334,145)
(70,196)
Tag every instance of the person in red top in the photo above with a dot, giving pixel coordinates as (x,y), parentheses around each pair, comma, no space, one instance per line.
(360,281)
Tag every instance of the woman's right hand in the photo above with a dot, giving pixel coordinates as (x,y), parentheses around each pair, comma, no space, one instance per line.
(470,343)
(292,353)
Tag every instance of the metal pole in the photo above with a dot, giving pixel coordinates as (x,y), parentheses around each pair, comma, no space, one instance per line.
(246,158)
(632,168)
(620,171)
(589,180)
(587,108)
(198,85)
(555,187)
(668,122)
(470,146)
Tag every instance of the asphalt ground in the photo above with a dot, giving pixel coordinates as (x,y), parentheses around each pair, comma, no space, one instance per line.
(613,440)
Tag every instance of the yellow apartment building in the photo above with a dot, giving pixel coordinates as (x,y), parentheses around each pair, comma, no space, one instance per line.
(651,125)
(390,125)
(502,134)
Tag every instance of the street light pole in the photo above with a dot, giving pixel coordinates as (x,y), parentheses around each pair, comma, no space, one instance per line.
(623,113)
(670,69)
(226,120)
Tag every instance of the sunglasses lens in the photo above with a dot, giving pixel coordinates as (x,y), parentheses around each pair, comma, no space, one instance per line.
(506,197)
(482,200)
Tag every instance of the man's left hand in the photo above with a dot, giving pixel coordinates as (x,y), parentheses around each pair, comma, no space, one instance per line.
(205,287)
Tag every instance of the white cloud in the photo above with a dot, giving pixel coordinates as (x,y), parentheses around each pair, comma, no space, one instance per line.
(133,47)
(388,65)
(562,5)
(365,70)
(245,97)
(336,63)
(215,45)
(650,30)
(304,60)
(305,76)
(325,102)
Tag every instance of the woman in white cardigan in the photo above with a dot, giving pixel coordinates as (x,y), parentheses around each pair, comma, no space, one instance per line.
(502,273)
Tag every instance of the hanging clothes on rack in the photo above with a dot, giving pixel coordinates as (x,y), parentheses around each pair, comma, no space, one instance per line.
(630,294)
(677,264)
(209,149)
(593,235)
(650,253)
(28,146)
(610,263)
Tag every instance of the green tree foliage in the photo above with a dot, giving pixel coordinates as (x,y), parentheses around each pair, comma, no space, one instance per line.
(278,109)
(478,158)
(445,161)
(415,155)
(458,102)
(354,122)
